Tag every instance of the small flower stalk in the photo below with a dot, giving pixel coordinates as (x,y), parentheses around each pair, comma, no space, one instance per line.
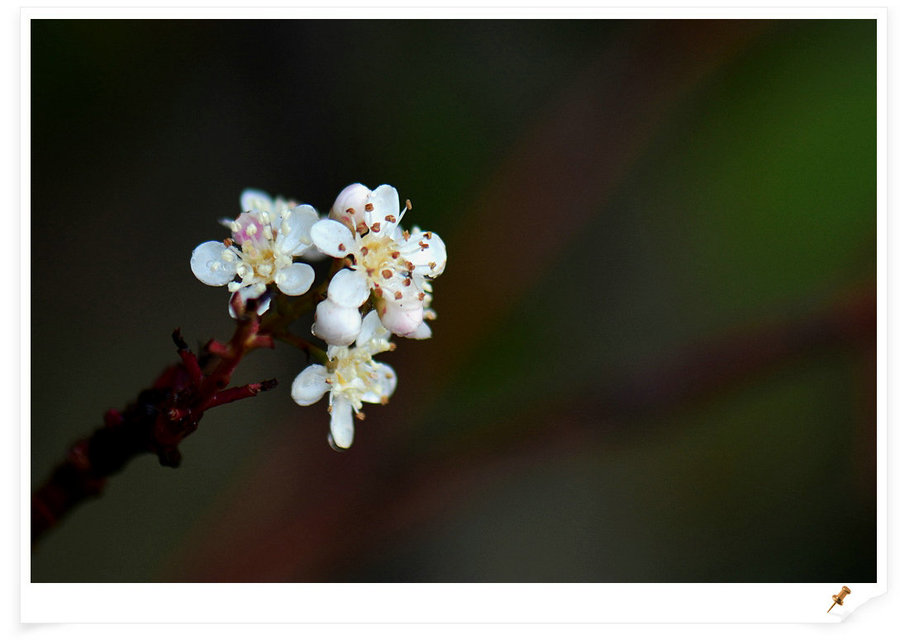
(379,285)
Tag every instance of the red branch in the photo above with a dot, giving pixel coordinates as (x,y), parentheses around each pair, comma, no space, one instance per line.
(156,422)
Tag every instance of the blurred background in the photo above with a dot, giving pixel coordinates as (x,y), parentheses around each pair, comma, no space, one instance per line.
(655,352)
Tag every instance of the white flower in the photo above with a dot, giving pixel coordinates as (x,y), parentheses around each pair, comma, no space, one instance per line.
(265,238)
(351,377)
(392,263)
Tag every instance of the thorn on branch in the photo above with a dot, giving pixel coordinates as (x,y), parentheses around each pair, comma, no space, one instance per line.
(179,340)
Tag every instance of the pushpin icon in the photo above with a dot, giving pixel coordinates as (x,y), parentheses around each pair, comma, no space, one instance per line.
(839,598)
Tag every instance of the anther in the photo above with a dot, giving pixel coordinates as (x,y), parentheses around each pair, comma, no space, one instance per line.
(405,234)
(432,265)
(350,210)
(427,235)
(395,254)
(370,206)
(387,273)
(397,295)
(362,228)
(421,296)
(228,242)
(364,251)
(423,244)
(408,204)
(390,218)
(407,282)
(376,227)
(360,415)
(341,247)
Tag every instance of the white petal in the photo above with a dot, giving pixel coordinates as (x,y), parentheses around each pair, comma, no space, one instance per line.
(349,206)
(309,386)
(335,324)
(401,319)
(255,200)
(386,382)
(341,423)
(385,202)
(427,251)
(333,238)
(372,331)
(422,333)
(310,253)
(297,224)
(249,293)
(295,279)
(348,288)
(208,265)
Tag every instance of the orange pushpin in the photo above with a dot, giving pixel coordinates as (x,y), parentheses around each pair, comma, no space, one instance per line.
(839,598)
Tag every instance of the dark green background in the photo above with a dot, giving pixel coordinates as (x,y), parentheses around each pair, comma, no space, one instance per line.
(655,352)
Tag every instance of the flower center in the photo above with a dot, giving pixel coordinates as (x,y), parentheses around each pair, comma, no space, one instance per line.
(380,256)
(258,255)
(353,375)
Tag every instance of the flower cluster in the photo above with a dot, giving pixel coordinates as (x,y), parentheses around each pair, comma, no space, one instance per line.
(380,284)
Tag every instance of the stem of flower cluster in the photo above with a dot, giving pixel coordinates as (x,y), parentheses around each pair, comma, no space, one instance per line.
(171,409)
(156,422)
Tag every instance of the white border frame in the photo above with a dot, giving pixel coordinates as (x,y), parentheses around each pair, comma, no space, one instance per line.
(418,603)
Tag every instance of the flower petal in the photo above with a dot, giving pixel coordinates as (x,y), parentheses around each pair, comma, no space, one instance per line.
(427,251)
(335,324)
(401,319)
(255,200)
(372,335)
(310,253)
(386,382)
(293,229)
(250,292)
(295,279)
(348,288)
(209,266)
(384,202)
(341,436)
(422,333)
(349,206)
(333,238)
(310,385)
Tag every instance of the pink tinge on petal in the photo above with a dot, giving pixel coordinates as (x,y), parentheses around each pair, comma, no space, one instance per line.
(250,229)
